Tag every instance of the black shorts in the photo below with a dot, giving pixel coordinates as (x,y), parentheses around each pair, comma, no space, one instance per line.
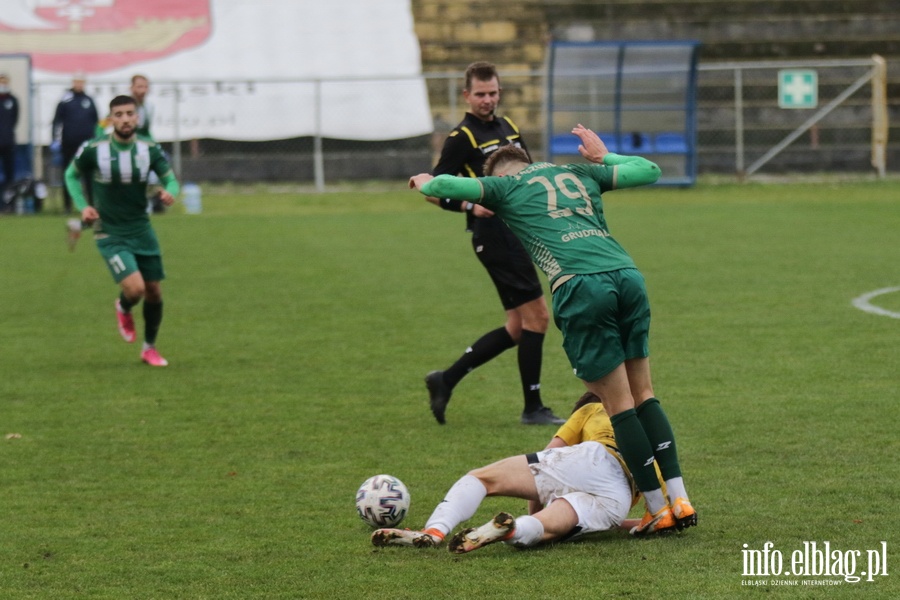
(507,262)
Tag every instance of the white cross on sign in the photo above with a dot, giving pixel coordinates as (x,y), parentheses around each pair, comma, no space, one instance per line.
(798,89)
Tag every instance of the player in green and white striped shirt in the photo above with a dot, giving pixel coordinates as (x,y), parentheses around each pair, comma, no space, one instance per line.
(118,164)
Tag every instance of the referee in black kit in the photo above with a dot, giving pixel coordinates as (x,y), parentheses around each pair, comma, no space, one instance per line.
(465,150)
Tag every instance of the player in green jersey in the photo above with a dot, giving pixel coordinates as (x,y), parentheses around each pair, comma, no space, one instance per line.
(118,165)
(599,300)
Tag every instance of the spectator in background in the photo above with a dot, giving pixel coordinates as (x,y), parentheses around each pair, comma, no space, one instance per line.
(74,123)
(9,118)
(140,85)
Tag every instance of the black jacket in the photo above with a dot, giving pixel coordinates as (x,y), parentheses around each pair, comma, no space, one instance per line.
(468,146)
(9,117)
(75,120)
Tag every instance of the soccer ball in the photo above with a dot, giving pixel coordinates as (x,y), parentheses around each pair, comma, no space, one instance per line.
(382,501)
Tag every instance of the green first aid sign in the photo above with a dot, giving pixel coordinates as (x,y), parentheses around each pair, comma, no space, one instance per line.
(798,89)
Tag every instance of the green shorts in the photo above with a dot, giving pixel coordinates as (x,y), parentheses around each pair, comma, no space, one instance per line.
(604,319)
(125,256)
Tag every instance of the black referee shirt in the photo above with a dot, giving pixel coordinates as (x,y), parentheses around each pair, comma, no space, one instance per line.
(470,143)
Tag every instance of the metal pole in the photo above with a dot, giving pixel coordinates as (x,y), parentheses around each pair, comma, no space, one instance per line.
(810,122)
(37,155)
(739,122)
(176,146)
(451,97)
(318,160)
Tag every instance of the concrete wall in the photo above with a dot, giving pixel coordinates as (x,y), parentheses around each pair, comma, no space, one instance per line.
(514,35)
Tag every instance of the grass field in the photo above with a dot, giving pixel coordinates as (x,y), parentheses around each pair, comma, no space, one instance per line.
(299,327)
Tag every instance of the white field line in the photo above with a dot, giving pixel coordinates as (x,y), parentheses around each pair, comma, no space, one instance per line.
(863,303)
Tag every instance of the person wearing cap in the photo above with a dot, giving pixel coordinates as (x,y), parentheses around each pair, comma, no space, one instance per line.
(9,118)
(74,123)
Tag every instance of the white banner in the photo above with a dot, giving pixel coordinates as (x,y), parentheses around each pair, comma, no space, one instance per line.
(242,69)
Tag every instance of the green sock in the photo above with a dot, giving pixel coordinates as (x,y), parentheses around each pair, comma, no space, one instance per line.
(153,312)
(635,449)
(656,425)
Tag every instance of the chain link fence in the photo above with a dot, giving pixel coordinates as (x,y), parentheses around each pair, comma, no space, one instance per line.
(739,121)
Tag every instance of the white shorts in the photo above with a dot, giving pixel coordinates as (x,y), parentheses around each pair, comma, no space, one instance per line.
(589,478)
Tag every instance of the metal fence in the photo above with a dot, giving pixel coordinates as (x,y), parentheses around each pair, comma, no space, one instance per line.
(741,129)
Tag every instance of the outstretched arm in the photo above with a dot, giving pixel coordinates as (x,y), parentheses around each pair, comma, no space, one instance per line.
(447,186)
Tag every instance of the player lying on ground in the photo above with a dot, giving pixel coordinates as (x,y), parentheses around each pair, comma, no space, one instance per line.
(600,302)
(577,485)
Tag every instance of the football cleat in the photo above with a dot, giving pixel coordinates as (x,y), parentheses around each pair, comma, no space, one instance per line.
(407,537)
(126,324)
(660,522)
(685,514)
(541,416)
(153,358)
(501,527)
(439,394)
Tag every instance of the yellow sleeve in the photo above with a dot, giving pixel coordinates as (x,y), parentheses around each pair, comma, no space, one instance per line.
(572,431)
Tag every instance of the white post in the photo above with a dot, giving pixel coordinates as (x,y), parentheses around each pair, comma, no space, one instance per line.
(739,122)
(318,160)
(176,133)
(879,115)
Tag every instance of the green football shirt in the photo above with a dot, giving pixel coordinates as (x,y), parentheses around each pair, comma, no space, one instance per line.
(557,210)
(118,174)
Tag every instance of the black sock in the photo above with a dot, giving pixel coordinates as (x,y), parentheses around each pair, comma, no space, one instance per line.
(153,313)
(491,344)
(531,354)
(124,303)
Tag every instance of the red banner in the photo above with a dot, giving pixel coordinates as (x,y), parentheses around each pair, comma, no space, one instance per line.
(99,35)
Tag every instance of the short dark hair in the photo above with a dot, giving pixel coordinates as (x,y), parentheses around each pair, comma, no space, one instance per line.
(121,100)
(482,71)
(506,154)
(134,78)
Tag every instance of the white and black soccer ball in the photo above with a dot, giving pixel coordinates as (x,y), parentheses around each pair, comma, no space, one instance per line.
(382,501)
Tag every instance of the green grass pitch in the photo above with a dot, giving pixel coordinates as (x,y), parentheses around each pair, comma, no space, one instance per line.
(299,328)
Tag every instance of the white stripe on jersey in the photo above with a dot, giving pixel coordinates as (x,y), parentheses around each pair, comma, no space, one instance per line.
(142,159)
(125,166)
(104,162)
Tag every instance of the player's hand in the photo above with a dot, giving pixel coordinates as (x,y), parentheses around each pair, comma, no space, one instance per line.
(166,198)
(89,215)
(481,212)
(417,181)
(592,147)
